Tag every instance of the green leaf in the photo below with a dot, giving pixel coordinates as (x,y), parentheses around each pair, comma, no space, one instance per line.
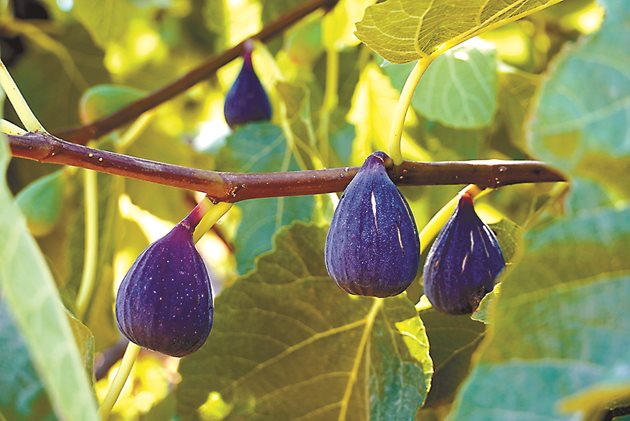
(102,100)
(406,30)
(41,202)
(556,325)
(580,122)
(31,295)
(288,343)
(107,20)
(262,148)
(52,81)
(516,90)
(459,89)
(452,339)
(338,24)
(22,395)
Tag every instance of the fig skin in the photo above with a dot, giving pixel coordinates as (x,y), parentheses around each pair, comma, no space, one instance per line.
(164,303)
(463,263)
(246,101)
(372,246)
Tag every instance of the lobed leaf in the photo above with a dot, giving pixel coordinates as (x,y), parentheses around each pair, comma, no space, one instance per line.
(287,343)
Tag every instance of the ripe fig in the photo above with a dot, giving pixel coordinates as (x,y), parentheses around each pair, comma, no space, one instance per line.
(164,303)
(463,262)
(246,101)
(372,247)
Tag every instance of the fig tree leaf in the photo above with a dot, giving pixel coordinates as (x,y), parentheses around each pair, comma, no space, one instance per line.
(580,122)
(22,395)
(262,147)
(338,25)
(102,100)
(557,324)
(52,81)
(459,89)
(41,202)
(106,20)
(452,341)
(407,30)
(516,90)
(288,343)
(33,301)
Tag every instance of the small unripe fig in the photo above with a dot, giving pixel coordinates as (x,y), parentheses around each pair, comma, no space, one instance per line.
(246,101)
(164,303)
(372,247)
(463,262)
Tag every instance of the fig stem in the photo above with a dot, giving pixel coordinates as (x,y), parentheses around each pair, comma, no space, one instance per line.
(406,95)
(10,128)
(212,213)
(90,250)
(435,224)
(19,103)
(131,353)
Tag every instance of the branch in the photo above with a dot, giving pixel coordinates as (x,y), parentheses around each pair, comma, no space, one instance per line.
(234,187)
(125,115)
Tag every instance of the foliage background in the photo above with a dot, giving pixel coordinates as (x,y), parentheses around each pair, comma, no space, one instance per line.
(286,342)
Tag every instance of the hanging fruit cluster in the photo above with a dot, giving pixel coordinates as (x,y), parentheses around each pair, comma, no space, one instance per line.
(164,303)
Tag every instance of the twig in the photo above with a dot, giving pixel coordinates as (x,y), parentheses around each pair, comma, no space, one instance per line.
(234,187)
(125,115)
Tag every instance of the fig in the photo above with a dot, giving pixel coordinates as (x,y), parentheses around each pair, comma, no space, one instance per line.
(164,302)
(372,246)
(463,263)
(41,202)
(246,101)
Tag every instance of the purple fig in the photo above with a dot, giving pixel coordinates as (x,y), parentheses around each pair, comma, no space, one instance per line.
(372,247)
(463,262)
(164,303)
(246,101)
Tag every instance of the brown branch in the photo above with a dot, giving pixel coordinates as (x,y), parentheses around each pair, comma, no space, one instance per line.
(234,187)
(127,114)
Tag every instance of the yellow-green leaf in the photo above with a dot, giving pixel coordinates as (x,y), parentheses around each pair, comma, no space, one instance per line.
(287,343)
(407,30)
